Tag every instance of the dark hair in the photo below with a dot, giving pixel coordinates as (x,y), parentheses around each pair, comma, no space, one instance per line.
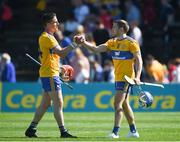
(122,24)
(47,18)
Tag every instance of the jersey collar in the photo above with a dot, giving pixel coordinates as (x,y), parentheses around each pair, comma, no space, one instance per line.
(121,37)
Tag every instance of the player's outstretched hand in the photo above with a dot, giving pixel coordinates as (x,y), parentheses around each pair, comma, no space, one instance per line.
(79,39)
(66,72)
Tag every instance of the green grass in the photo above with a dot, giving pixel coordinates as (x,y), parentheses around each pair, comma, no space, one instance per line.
(91,127)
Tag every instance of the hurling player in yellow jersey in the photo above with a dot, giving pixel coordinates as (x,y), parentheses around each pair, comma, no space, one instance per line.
(126,55)
(50,53)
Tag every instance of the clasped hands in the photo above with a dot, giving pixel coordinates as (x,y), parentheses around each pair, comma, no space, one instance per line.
(79,39)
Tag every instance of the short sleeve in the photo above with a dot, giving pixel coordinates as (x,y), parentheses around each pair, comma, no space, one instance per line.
(134,47)
(48,42)
(109,44)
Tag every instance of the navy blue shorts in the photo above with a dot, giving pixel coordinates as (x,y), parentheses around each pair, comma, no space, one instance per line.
(123,86)
(51,83)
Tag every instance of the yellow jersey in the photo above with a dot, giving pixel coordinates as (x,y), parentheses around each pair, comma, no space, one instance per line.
(49,60)
(122,51)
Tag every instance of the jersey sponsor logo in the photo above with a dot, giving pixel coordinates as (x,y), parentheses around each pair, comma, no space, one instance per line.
(122,55)
(120,58)
(117,53)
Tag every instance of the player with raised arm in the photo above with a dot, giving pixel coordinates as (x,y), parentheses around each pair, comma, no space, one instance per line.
(50,54)
(125,54)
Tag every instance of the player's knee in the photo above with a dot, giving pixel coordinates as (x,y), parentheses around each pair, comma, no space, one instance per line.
(60,104)
(118,109)
(46,106)
(117,104)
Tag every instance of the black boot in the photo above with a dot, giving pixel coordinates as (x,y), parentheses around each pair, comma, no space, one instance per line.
(31,132)
(67,135)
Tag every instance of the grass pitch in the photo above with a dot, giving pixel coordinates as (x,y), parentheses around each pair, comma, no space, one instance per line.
(92,127)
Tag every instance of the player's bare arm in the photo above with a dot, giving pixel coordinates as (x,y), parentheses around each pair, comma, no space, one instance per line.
(138,66)
(80,39)
(100,48)
(62,52)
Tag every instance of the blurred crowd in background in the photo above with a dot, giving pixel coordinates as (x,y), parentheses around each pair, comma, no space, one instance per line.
(93,18)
